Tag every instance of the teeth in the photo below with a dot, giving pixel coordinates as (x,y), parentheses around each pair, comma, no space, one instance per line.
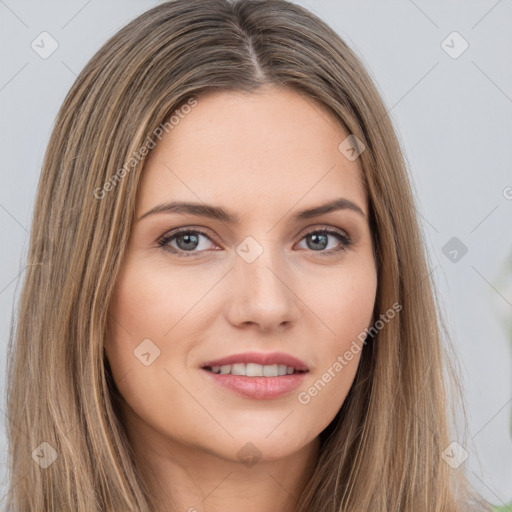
(253,370)
(238,369)
(270,370)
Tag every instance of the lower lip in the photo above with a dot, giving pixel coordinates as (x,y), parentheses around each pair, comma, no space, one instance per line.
(260,388)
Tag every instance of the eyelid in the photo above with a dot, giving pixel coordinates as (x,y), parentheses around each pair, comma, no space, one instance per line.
(186,229)
(324,227)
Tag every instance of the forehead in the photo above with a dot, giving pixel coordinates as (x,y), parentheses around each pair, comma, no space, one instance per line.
(275,146)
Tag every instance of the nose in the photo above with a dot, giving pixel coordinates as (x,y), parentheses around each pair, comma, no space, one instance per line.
(262,293)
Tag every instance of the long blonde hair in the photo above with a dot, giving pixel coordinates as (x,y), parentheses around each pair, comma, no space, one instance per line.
(383,450)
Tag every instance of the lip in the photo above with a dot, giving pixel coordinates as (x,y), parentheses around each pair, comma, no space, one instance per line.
(260,358)
(259,388)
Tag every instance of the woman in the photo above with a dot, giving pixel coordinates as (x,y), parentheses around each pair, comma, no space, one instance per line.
(227,303)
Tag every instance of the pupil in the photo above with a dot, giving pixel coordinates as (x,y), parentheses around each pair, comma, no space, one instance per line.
(315,238)
(187,237)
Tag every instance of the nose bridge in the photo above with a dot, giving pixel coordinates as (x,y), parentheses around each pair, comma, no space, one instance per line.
(260,284)
(260,264)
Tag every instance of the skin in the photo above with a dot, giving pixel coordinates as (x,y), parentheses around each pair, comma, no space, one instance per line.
(264,156)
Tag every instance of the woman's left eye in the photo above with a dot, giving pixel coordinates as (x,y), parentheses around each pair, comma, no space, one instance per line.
(321,237)
(187,240)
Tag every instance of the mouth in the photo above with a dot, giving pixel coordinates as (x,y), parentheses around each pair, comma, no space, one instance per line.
(256,364)
(256,375)
(254,370)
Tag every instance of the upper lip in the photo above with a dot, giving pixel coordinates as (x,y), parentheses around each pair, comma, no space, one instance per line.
(260,358)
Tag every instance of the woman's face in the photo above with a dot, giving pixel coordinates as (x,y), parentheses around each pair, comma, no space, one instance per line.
(250,278)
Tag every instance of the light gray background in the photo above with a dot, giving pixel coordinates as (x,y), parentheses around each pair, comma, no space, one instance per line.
(453,116)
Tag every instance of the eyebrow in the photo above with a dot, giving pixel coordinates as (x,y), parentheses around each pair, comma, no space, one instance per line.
(218,213)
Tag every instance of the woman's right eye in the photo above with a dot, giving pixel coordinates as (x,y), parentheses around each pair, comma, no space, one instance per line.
(186,240)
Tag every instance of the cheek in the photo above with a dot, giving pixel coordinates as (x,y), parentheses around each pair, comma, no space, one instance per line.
(136,314)
(344,303)
(144,307)
(149,301)
(154,316)
(345,306)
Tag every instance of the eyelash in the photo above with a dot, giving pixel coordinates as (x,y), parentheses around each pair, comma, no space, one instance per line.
(346,242)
